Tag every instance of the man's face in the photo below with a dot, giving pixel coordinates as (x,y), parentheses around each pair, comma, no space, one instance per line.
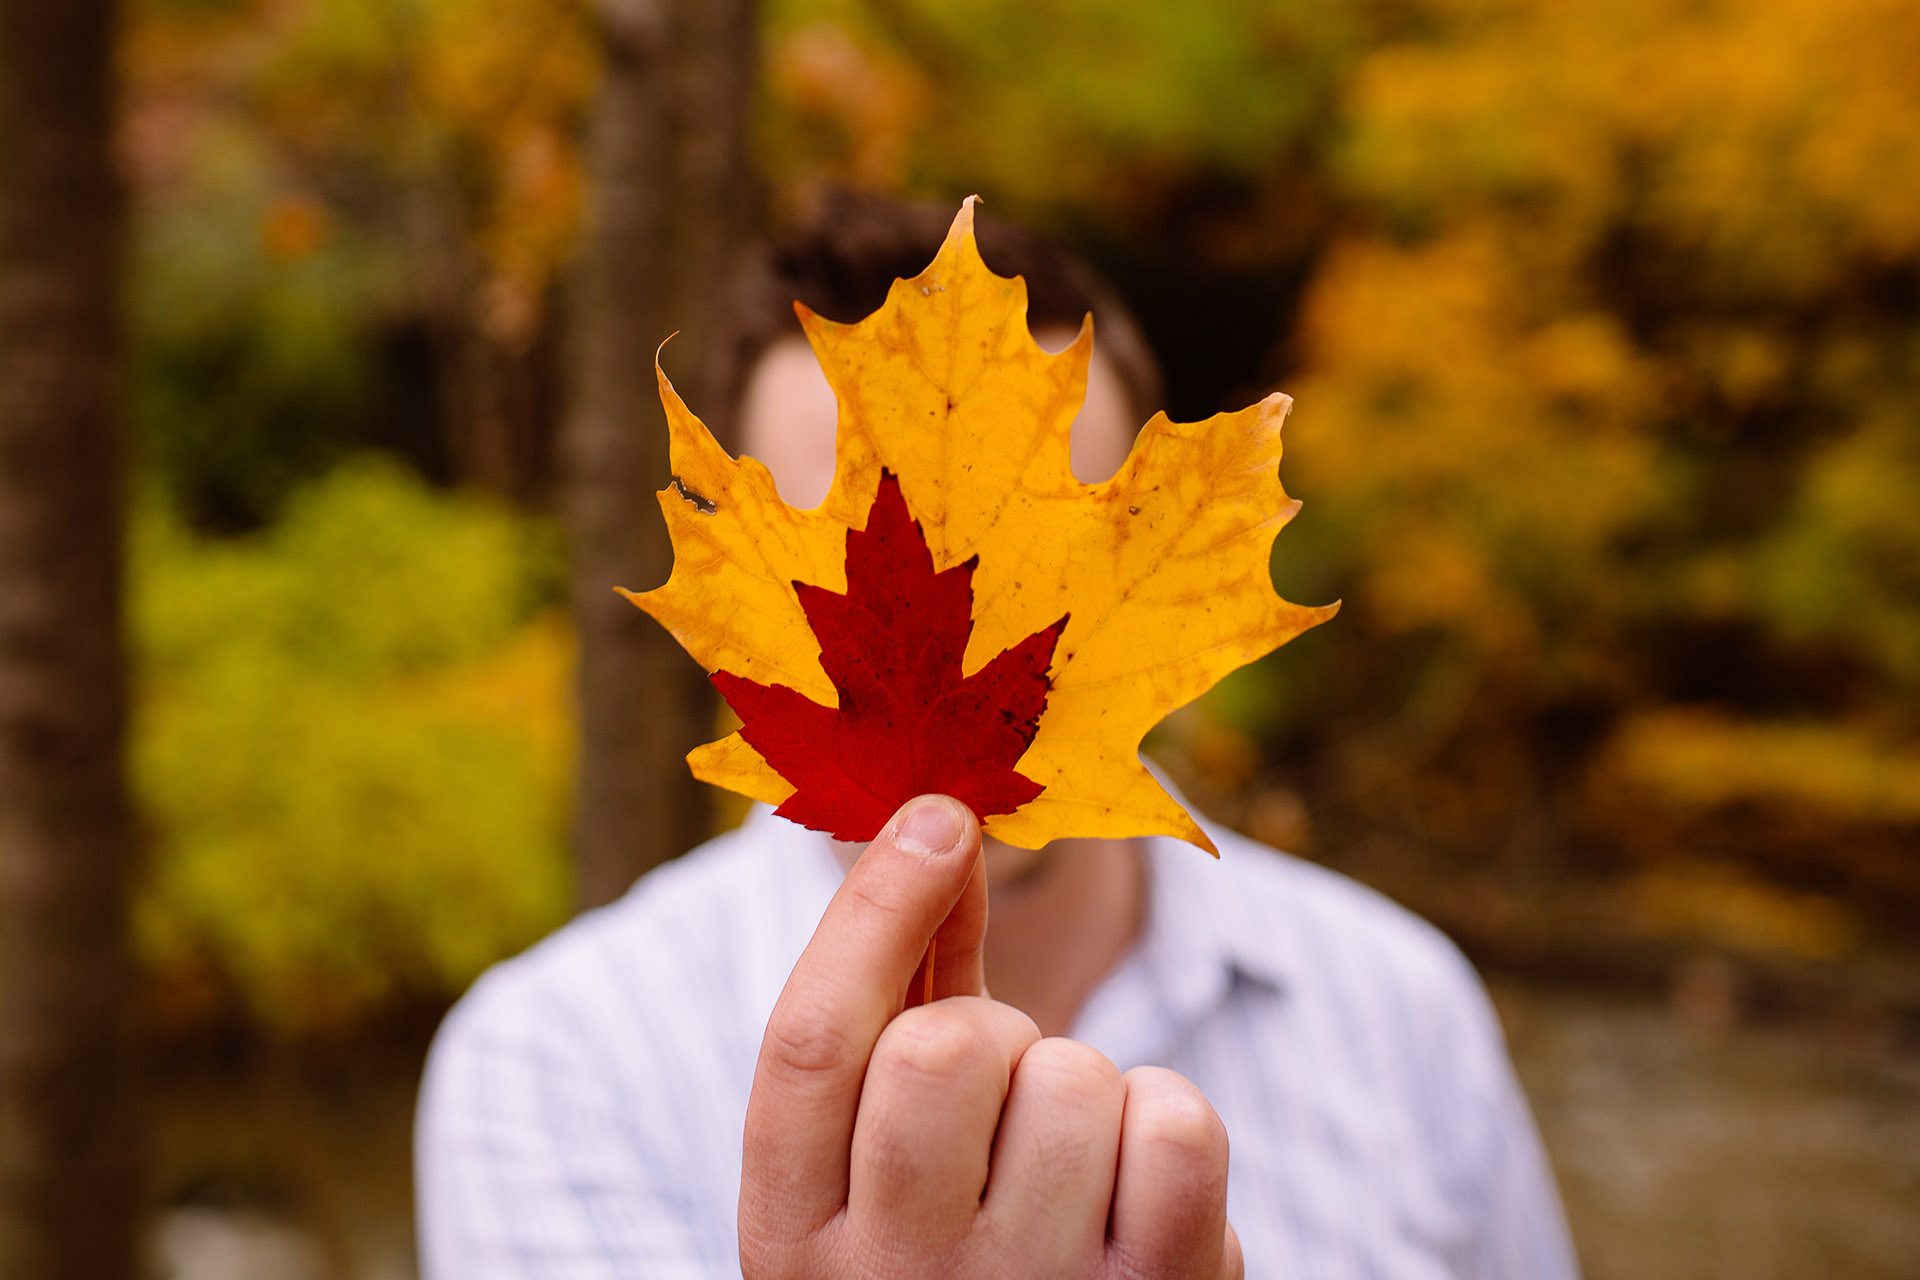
(788,419)
(788,415)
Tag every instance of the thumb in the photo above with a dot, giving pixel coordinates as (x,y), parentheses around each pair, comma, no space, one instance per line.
(932,829)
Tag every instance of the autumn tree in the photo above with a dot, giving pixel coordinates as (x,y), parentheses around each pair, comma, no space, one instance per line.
(1606,408)
(67,1172)
(668,161)
(352,220)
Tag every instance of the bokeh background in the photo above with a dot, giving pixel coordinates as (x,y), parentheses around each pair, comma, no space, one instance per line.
(1603,325)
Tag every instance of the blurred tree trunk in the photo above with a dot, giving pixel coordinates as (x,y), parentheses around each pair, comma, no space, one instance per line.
(67,1165)
(672,203)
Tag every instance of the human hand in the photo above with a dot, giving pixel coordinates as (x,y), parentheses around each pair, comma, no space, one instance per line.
(890,1139)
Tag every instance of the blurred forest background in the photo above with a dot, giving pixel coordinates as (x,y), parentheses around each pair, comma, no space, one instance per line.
(1603,325)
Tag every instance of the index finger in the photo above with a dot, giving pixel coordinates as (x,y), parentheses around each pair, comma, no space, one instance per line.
(852,979)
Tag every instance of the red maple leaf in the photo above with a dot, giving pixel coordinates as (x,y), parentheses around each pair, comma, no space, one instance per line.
(908,721)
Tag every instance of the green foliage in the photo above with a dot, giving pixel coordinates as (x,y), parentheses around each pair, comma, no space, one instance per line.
(253,358)
(350,219)
(1127,98)
(353,744)
(1843,564)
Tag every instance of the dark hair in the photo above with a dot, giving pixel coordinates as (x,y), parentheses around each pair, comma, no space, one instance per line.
(841,259)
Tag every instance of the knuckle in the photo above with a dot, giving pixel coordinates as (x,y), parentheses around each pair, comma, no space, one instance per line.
(1181,1121)
(1068,1071)
(927,1044)
(802,1042)
(997,1021)
(875,895)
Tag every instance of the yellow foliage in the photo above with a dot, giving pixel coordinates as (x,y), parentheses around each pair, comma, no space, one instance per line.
(1764,133)
(839,87)
(1614,381)
(1702,759)
(1483,461)
(523,688)
(471,106)
(1721,904)
(510,78)
(354,744)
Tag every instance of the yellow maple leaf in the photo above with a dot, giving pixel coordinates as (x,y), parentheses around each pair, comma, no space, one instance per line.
(1160,573)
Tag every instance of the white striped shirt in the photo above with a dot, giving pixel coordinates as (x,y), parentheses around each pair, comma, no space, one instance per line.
(583,1106)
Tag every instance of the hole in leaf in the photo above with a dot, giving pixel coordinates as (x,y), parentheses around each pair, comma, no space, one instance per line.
(701,503)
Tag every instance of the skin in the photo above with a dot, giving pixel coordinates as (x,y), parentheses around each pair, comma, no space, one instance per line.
(965,1137)
(787,418)
(951,1139)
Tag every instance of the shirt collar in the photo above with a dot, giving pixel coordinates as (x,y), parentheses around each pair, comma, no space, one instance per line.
(1201,931)
(1210,897)
(1207,908)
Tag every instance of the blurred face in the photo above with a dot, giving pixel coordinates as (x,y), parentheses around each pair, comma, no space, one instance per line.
(788,419)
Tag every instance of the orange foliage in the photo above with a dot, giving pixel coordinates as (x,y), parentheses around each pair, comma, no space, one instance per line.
(455,111)
(1608,374)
